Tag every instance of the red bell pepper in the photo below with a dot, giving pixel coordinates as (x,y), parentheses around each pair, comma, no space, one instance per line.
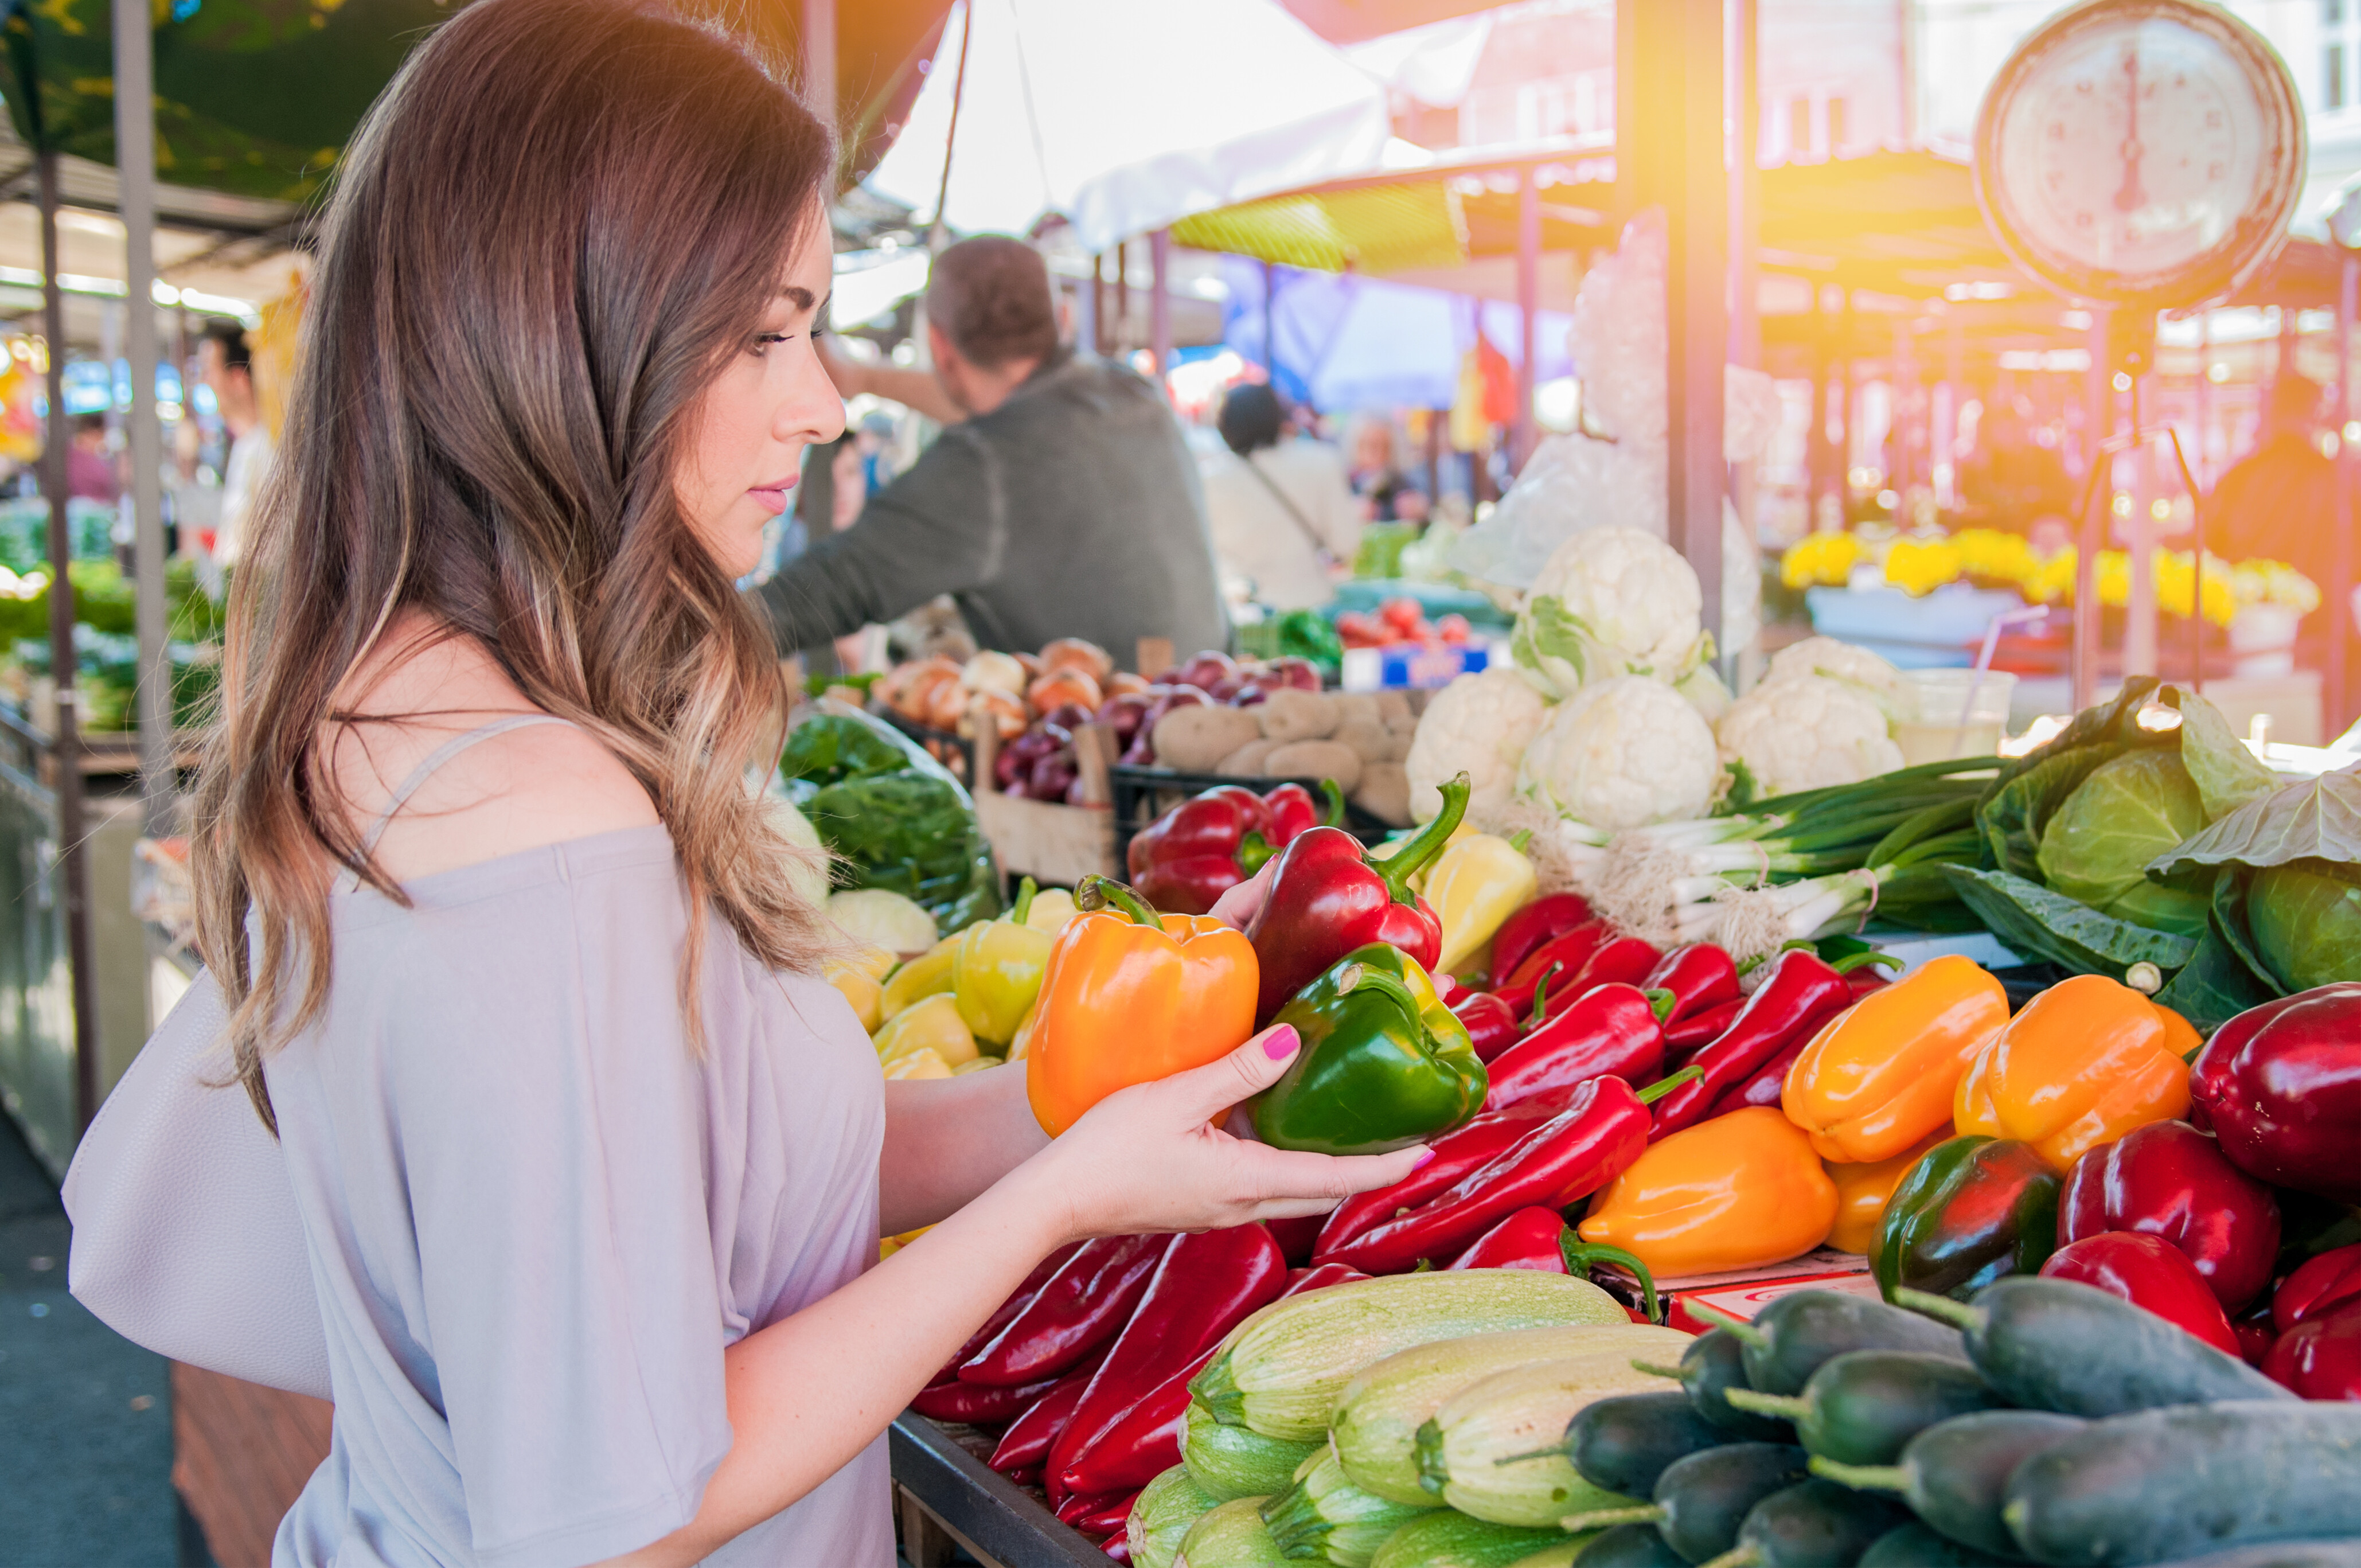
(1546,919)
(1562,957)
(1085,1305)
(2280,1086)
(1569,1156)
(2170,1180)
(1698,1030)
(2148,1272)
(1293,813)
(1328,897)
(2255,1335)
(1205,1285)
(1801,994)
(1539,1239)
(977,1404)
(1460,1152)
(2319,1358)
(1026,1441)
(1609,1029)
(1200,850)
(2329,1283)
(1100,1515)
(1491,1027)
(1699,976)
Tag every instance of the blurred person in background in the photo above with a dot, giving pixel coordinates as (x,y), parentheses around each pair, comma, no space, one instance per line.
(2278,502)
(1283,514)
(2014,481)
(225,365)
(1387,495)
(92,472)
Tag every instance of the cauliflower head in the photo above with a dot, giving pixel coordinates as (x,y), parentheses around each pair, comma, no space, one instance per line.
(1805,732)
(1623,752)
(1609,602)
(1825,656)
(1481,723)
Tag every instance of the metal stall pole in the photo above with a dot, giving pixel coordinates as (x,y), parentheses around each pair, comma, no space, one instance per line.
(1528,289)
(134,163)
(2334,691)
(1159,306)
(1270,321)
(1122,294)
(72,869)
(1745,190)
(1817,449)
(2098,502)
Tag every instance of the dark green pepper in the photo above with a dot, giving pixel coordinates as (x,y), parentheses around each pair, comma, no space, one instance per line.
(1384,1063)
(1974,1210)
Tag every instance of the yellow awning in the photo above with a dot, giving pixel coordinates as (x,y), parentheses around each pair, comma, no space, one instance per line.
(1372,229)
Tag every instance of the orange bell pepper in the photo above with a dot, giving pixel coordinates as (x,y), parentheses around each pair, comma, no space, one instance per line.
(1863,1189)
(1878,1077)
(1130,996)
(1736,1192)
(2084,1063)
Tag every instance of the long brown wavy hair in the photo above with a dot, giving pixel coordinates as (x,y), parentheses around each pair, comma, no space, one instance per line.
(552,231)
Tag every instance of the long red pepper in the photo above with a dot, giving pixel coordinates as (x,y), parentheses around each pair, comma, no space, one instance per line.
(1005,1313)
(1085,1305)
(1609,1029)
(1766,1084)
(1571,1155)
(978,1404)
(1204,1285)
(1491,1027)
(1026,1441)
(1146,1440)
(1626,960)
(1800,995)
(1099,1514)
(1698,1030)
(1297,1236)
(1539,1239)
(1563,956)
(1699,976)
(1546,919)
(1456,1154)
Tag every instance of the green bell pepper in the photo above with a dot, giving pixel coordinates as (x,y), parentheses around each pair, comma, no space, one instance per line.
(1974,1209)
(1384,1063)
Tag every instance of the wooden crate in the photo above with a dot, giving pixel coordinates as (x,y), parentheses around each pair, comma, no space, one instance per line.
(1055,844)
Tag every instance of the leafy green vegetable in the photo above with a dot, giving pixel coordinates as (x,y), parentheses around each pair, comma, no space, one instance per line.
(2130,809)
(2039,923)
(2227,775)
(897,818)
(2162,907)
(2017,806)
(2213,987)
(2306,920)
(2319,820)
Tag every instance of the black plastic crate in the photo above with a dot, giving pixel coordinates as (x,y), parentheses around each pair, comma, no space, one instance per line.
(1143,795)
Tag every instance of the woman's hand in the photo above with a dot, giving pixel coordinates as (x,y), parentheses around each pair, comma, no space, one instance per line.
(1241,904)
(1154,1158)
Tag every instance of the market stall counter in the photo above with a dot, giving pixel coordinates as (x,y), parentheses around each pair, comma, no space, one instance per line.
(945,1494)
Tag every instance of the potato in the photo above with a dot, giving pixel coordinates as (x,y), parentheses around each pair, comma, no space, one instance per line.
(1397,740)
(1246,762)
(1290,715)
(1351,706)
(1385,794)
(1393,706)
(1316,760)
(1196,739)
(1366,739)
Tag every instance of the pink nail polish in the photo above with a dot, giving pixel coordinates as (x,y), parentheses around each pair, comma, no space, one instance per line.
(1281,1042)
(1423,1155)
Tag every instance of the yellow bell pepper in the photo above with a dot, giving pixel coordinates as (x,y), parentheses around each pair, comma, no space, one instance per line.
(1419,879)
(933,1024)
(1477,882)
(981,1064)
(891,1244)
(924,1062)
(1052,907)
(1878,1077)
(997,967)
(922,976)
(2084,1063)
(858,989)
(1863,1189)
(1736,1192)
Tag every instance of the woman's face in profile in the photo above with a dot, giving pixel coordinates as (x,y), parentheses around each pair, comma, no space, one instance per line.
(772,399)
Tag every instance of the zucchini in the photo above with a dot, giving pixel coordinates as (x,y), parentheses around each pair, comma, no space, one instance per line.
(2345,1553)
(2159,1485)
(1230,1536)
(1622,1444)
(1324,1516)
(1374,1429)
(2056,1345)
(1793,1335)
(1713,1363)
(1162,1515)
(1280,1371)
(1914,1545)
(1860,1408)
(1817,1524)
(1231,1462)
(1955,1475)
(1497,1450)
(1626,1546)
(1562,1555)
(1700,1501)
(1447,1539)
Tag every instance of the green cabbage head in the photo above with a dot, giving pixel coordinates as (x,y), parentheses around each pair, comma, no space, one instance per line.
(2305,917)
(2096,846)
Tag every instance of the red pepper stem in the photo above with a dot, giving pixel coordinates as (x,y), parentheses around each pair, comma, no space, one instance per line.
(1862,960)
(1026,891)
(1959,1314)
(1101,892)
(1361,977)
(1580,1255)
(1334,815)
(1541,997)
(1664,1086)
(1660,1002)
(1423,846)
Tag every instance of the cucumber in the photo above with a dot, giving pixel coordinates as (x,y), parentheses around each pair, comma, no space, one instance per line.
(1324,1515)
(1622,1444)
(1230,1536)
(1955,1475)
(1629,1546)
(1715,1363)
(1792,1337)
(1913,1545)
(1447,1539)
(2159,1485)
(1815,1525)
(2055,1344)
(1497,1449)
(1700,1501)
(1860,1408)
(1161,1517)
(1232,1462)
(2345,1553)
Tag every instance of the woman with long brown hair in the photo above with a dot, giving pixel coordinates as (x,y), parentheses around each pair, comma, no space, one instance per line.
(590,1169)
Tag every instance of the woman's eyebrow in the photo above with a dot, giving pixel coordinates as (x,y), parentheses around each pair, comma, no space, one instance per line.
(800,297)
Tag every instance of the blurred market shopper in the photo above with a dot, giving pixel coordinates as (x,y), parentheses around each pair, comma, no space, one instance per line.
(590,1164)
(2279,503)
(1062,503)
(1282,515)
(226,364)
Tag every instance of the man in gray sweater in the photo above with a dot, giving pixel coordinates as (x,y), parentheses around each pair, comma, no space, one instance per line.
(1062,503)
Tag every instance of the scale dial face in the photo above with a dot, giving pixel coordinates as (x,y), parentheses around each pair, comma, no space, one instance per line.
(2141,153)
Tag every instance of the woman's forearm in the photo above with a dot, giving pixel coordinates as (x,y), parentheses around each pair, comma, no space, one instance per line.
(948,1139)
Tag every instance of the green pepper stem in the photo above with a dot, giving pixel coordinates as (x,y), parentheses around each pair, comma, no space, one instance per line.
(1664,1086)
(1580,1255)
(1730,1323)
(1959,1314)
(1788,1405)
(1660,1002)
(1254,849)
(1599,1519)
(1541,997)
(1026,891)
(1657,1369)
(1333,816)
(1361,977)
(1096,892)
(1863,1478)
(1862,960)
(1423,846)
